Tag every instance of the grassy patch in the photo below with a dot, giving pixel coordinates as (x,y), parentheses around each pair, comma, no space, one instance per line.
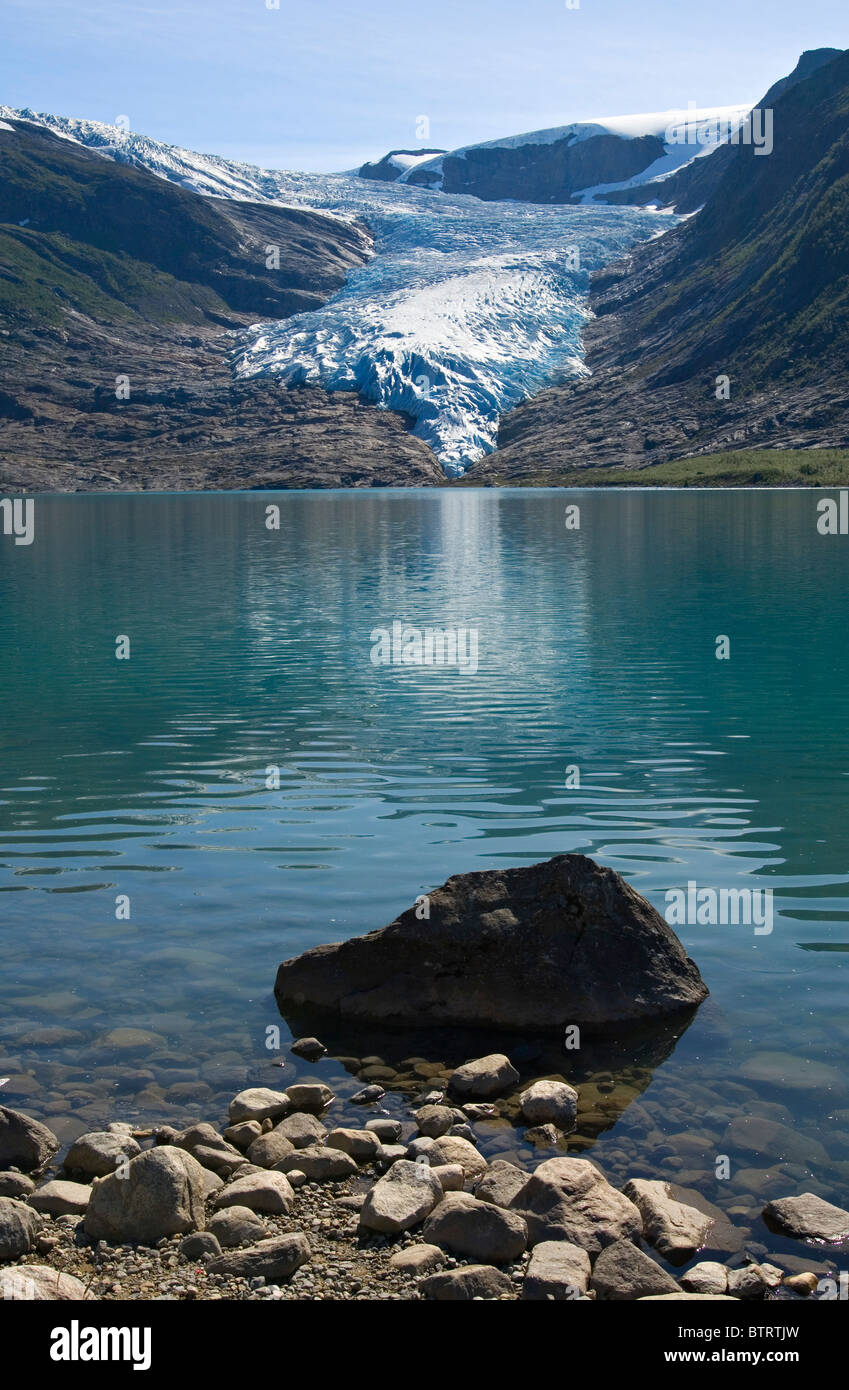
(42,274)
(746,468)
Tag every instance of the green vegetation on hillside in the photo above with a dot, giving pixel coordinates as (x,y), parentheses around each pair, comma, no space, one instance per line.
(118,244)
(747,468)
(44,274)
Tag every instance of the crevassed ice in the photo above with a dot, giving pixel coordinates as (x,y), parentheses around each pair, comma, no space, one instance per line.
(466,309)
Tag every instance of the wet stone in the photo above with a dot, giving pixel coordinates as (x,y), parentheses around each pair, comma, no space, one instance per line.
(308,1048)
(807,1217)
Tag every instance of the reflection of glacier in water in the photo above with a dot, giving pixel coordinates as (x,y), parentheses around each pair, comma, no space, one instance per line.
(466,309)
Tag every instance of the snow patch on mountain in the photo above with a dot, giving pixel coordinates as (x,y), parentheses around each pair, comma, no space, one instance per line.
(405,160)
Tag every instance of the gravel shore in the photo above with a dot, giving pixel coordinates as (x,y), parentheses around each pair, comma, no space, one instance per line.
(280,1204)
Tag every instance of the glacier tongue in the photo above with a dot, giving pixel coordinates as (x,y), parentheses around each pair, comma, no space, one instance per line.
(465,310)
(462,341)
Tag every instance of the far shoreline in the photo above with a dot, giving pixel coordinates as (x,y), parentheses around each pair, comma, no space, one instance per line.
(752,470)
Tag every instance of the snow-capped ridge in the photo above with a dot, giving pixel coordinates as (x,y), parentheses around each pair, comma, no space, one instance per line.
(686,134)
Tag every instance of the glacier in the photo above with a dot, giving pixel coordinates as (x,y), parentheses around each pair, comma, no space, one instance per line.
(465,309)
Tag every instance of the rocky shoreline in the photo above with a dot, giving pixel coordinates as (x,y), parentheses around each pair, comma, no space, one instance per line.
(307,1196)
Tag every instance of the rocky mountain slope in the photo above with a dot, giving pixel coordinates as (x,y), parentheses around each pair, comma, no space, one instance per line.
(688,188)
(580,162)
(754,289)
(107,271)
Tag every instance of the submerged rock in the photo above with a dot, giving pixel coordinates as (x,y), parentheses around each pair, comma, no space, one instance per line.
(485,1076)
(550,1102)
(752,1134)
(538,947)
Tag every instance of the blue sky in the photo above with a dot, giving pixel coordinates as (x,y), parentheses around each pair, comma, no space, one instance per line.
(325,84)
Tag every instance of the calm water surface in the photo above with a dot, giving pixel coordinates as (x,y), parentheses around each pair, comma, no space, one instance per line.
(250,649)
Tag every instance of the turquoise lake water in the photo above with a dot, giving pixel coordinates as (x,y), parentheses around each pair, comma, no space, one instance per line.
(250,649)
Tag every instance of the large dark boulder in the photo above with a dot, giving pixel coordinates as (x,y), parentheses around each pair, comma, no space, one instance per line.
(534,948)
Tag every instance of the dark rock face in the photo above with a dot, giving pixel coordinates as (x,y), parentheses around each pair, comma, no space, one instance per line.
(545,172)
(548,173)
(534,948)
